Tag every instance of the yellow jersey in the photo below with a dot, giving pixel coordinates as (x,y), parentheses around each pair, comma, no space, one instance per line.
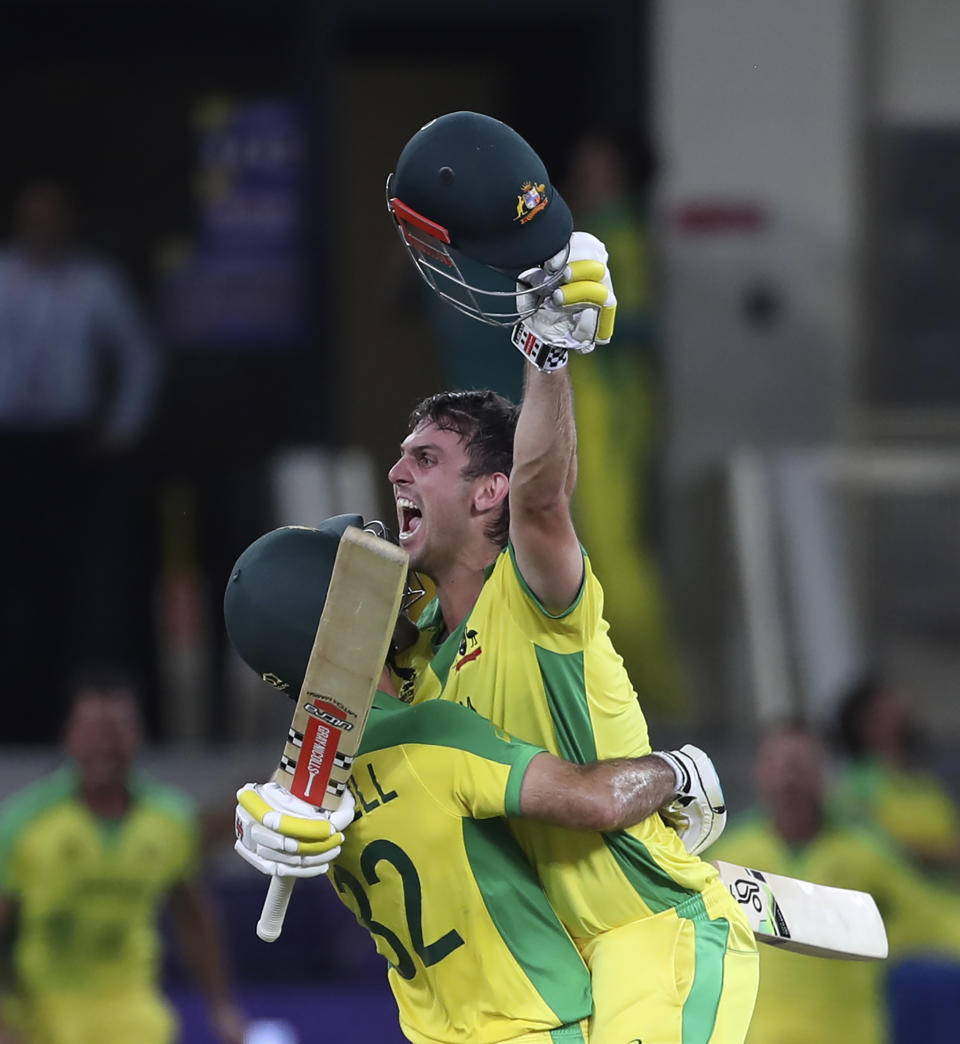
(88,890)
(430,869)
(809,1000)
(914,808)
(556,681)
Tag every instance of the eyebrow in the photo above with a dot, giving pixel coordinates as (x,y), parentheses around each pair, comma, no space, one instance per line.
(418,447)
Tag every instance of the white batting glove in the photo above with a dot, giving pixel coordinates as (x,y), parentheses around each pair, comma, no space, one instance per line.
(285,837)
(698,813)
(578,314)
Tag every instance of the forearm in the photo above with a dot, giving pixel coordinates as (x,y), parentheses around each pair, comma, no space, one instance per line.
(601,796)
(545,444)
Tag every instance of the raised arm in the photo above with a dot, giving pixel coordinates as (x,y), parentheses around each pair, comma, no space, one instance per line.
(541,484)
(575,317)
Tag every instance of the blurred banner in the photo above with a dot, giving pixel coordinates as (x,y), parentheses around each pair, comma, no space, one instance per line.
(238,284)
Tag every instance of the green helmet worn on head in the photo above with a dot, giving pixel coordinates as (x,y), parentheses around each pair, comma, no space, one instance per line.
(275,597)
(467,183)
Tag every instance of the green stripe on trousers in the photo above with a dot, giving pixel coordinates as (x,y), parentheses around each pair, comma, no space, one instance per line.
(703,1000)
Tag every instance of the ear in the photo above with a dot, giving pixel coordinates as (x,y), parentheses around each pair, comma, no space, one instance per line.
(490,492)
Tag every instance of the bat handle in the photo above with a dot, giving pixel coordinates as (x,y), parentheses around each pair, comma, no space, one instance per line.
(274,909)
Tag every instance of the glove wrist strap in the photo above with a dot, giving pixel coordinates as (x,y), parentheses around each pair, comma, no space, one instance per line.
(681,777)
(546,357)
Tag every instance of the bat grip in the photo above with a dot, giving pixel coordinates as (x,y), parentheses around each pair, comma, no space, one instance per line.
(274,909)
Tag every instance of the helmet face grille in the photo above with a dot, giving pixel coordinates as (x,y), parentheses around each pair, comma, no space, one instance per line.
(426,244)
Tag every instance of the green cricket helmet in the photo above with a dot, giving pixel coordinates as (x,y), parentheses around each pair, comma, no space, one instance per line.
(276,594)
(468,184)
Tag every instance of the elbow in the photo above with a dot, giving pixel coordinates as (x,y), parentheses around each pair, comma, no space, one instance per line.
(539,509)
(602,814)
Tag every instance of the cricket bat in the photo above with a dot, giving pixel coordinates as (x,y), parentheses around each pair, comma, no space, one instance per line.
(807,918)
(348,654)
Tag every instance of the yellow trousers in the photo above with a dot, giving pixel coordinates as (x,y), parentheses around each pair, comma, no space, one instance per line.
(685,976)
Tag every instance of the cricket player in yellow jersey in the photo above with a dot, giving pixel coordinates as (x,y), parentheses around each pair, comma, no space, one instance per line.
(476,953)
(517,629)
(884,780)
(807,1000)
(88,855)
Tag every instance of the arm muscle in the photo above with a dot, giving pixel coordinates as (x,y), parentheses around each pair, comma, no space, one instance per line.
(604,795)
(541,484)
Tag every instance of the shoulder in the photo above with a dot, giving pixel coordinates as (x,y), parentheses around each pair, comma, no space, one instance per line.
(98,275)
(441,724)
(165,800)
(23,807)
(866,839)
(506,580)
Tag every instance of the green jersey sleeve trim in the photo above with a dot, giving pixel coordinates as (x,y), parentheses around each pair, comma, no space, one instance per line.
(536,601)
(21,809)
(511,799)
(569,1034)
(439,723)
(525,920)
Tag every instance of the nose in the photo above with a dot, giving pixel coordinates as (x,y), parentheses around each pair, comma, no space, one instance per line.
(399,472)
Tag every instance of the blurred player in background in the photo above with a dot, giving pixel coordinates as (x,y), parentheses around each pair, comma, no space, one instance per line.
(88,857)
(885,781)
(78,379)
(517,630)
(608,186)
(456,891)
(809,1000)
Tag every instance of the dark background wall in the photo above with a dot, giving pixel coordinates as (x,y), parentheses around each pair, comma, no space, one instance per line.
(101,95)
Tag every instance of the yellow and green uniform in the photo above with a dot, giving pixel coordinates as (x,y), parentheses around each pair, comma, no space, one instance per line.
(475,952)
(616,392)
(812,1000)
(87,891)
(556,681)
(912,807)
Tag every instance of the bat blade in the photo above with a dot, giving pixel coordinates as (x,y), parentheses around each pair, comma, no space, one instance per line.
(796,915)
(348,654)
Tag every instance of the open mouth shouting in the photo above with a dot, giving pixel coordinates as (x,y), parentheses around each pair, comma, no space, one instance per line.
(409,518)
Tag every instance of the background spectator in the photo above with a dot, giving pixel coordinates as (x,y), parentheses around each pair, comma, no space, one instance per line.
(618,399)
(805,999)
(77,379)
(887,779)
(89,855)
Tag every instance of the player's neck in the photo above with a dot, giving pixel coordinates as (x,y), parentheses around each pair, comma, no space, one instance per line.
(798,822)
(457,596)
(107,800)
(458,586)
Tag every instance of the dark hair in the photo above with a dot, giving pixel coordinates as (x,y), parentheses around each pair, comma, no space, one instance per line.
(854,708)
(485,422)
(102,678)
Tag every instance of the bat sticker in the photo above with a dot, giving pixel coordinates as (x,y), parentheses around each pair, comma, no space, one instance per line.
(326,713)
